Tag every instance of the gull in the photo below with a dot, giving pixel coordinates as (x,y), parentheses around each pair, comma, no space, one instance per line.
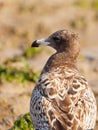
(62,98)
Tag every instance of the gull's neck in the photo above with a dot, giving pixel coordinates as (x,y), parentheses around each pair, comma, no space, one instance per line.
(60,59)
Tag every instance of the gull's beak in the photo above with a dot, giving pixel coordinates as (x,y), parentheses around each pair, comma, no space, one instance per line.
(35,44)
(41,42)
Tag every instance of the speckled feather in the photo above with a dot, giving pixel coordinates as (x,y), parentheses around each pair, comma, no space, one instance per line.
(62,99)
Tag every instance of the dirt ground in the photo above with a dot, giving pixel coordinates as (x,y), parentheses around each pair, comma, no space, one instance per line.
(23,21)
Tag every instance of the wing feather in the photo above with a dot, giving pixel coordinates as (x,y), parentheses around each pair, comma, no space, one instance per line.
(67,94)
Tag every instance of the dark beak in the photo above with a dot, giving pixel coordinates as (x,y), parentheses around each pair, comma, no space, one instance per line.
(35,44)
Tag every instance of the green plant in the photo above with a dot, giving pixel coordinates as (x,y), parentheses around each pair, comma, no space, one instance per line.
(94,4)
(81,3)
(11,69)
(31,52)
(23,123)
(13,74)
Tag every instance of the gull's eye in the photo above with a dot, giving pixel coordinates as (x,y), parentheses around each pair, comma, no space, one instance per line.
(57,38)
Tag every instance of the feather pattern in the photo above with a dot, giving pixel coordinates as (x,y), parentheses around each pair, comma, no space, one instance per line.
(62,99)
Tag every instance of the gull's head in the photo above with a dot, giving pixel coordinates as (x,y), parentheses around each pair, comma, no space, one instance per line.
(61,41)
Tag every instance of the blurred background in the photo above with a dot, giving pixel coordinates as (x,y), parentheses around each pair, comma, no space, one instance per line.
(21,22)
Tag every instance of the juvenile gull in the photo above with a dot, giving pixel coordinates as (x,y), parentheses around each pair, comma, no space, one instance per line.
(62,99)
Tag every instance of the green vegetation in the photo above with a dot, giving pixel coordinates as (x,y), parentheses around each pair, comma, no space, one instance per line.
(95,4)
(82,3)
(86,3)
(23,123)
(13,74)
(31,52)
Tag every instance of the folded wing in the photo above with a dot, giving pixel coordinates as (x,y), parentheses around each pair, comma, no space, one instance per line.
(72,102)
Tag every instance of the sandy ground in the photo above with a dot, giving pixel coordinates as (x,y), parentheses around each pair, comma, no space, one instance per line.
(21,22)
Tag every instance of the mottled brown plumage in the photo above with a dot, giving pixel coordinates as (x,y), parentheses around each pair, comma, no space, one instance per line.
(62,99)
